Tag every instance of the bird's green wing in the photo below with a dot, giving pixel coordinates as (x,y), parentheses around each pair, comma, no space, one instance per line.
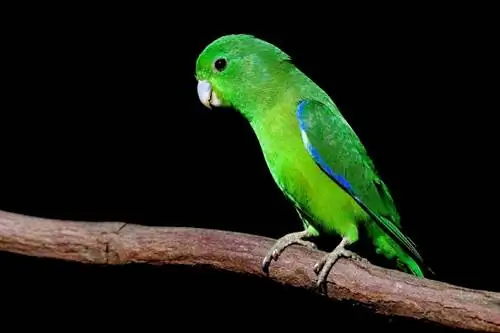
(339,153)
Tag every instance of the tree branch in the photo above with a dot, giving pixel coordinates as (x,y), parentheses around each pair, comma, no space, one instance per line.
(387,292)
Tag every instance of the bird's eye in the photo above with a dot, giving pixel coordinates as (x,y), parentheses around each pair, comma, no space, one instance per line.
(220,64)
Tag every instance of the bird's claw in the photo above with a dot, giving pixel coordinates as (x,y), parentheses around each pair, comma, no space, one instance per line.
(307,244)
(281,245)
(277,249)
(325,264)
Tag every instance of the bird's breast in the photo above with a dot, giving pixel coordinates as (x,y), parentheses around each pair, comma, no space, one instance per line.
(291,166)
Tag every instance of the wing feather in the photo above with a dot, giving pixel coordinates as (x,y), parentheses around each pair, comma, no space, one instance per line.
(337,150)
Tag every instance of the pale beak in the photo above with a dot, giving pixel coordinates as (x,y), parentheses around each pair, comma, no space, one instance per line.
(206,95)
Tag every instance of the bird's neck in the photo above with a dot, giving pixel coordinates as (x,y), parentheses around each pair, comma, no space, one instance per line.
(267,92)
(277,129)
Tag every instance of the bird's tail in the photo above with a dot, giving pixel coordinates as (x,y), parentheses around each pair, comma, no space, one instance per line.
(393,244)
(407,264)
(388,247)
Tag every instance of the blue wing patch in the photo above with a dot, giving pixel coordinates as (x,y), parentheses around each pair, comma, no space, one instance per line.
(312,113)
(314,152)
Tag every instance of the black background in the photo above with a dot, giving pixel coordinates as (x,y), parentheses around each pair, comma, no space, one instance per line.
(101,122)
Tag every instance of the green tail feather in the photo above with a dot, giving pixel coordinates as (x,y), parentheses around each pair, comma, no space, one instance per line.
(390,241)
(413,267)
(392,250)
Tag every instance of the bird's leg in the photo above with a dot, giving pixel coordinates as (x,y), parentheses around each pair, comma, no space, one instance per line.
(283,243)
(323,267)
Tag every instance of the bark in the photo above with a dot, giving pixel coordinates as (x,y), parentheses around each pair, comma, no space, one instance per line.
(387,292)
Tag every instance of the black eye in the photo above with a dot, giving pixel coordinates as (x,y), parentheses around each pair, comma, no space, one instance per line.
(220,64)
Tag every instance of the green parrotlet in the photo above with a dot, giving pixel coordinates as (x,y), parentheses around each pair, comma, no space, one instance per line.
(313,154)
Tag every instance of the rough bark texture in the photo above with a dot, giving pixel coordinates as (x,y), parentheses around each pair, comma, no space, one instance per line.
(387,292)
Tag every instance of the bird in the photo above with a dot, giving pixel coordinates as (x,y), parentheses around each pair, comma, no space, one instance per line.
(313,154)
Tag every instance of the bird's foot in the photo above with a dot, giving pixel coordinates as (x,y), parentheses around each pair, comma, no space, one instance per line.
(323,267)
(284,242)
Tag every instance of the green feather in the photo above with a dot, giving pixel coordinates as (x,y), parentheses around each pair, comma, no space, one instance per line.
(261,82)
(343,153)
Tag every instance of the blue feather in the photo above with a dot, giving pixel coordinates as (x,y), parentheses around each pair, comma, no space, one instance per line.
(315,154)
(313,112)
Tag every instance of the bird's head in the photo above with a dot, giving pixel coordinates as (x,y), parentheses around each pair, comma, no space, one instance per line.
(235,71)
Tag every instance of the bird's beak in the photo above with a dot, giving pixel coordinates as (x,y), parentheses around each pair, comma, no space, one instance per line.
(207,96)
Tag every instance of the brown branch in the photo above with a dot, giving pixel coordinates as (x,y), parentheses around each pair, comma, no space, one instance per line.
(387,292)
